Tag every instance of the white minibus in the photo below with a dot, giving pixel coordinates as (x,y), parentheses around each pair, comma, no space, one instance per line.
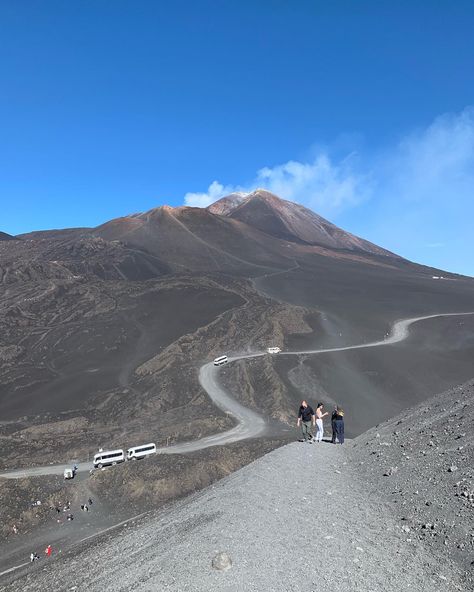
(221,360)
(141,451)
(108,457)
(273,350)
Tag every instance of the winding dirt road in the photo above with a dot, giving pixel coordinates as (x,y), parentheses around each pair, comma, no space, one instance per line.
(250,424)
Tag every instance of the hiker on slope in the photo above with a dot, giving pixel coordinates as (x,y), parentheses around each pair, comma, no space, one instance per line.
(306,417)
(319,422)
(339,425)
(333,425)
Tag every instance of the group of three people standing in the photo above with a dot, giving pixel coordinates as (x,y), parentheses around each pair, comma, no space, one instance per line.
(307,419)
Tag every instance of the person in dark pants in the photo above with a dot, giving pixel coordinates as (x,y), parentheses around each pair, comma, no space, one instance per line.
(333,425)
(339,424)
(306,417)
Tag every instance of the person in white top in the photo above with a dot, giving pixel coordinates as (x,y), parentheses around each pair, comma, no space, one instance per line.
(319,422)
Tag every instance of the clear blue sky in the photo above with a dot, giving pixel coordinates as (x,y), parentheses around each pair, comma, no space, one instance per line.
(359,110)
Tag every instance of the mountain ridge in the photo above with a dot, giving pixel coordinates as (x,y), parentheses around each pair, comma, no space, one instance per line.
(4,236)
(258,228)
(291,221)
(259,210)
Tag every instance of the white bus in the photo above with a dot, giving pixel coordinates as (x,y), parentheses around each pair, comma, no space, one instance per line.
(273,350)
(140,451)
(221,360)
(108,457)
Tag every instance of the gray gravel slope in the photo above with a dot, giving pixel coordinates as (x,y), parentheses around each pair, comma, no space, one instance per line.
(297,519)
(422,463)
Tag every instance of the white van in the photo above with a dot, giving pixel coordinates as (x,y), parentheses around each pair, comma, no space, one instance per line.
(221,360)
(108,457)
(141,451)
(273,350)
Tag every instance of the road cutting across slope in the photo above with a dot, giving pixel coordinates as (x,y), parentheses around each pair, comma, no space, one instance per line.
(250,424)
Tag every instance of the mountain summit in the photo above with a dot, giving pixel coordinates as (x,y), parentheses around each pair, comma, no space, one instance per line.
(290,222)
(239,233)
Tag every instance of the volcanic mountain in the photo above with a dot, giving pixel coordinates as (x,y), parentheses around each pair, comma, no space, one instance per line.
(194,239)
(91,315)
(289,221)
(237,232)
(103,332)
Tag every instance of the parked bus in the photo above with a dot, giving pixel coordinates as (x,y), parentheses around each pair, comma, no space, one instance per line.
(108,457)
(140,451)
(221,360)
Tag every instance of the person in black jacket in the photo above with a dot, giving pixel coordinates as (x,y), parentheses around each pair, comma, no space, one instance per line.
(339,424)
(306,417)
(333,424)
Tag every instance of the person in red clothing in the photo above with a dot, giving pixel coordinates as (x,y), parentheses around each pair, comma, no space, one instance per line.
(48,551)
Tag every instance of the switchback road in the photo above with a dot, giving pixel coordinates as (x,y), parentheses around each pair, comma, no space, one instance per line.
(250,424)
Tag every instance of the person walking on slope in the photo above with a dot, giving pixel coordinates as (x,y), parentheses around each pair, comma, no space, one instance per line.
(48,551)
(319,422)
(306,417)
(339,425)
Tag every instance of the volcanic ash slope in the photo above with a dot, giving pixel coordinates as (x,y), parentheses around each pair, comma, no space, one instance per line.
(422,463)
(307,517)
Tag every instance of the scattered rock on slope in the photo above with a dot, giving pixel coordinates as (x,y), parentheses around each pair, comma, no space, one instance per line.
(432,492)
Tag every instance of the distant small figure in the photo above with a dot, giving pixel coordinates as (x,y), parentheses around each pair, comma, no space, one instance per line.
(339,424)
(58,510)
(70,517)
(84,507)
(90,501)
(48,551)
(33,557)
(319,422)
(15,529)
(305,419)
